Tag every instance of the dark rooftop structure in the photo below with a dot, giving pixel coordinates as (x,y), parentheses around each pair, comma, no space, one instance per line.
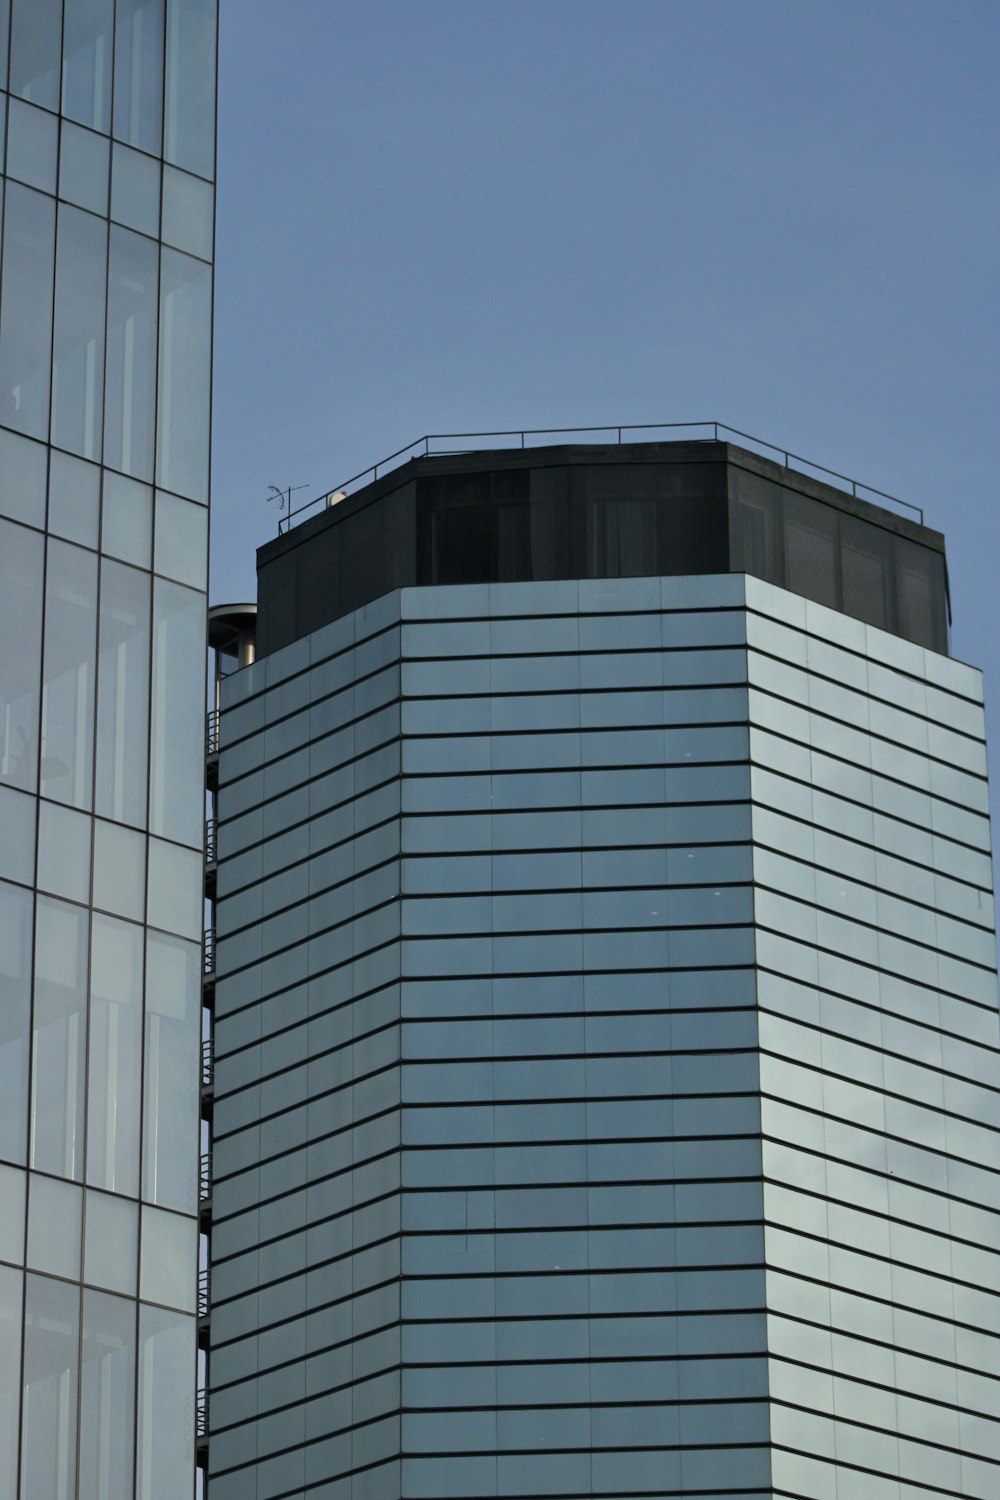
(595,510)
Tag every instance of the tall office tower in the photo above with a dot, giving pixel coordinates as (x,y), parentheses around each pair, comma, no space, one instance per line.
(105,356)
(606,1031)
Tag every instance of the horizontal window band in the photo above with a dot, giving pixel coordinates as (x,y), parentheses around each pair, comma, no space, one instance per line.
(555,1364)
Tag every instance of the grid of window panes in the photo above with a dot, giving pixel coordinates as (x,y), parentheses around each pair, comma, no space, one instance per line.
(107,140)
(878,1059)
(487,1196)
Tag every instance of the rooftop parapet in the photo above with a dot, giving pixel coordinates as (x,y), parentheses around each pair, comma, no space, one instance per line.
(604,510)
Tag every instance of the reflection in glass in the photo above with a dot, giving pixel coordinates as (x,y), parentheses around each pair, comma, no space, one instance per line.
(32,145)
(127,520)
(188,212)
(48,1431)
(78,360)
(139,73)
(74,499)
(107,1397)
(185,375)
(176,755)
(122,694)
(86,71)
(15,1018)
(55,1216)
(22,479)
(83,168)
(10,1378)
(112,1238)
(135,189)
(21,560)
(119,870)
(181,540)
(175,895)
(68,675)
(26,310)
(169,1258)
(165,1455)
(59,1038)
(170,1102)
(115,1055)
(35,31)
(17,847)
(13,1195)
(4,38)
(189,126)
(63,852)
(130,387)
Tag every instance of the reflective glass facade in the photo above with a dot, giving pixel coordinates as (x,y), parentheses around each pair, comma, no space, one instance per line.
(606,1054)
(107,129)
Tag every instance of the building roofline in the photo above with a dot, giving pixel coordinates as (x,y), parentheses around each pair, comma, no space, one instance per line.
(697,450)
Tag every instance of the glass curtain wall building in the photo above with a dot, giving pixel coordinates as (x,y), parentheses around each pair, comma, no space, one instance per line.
(606,1027)
(107,129)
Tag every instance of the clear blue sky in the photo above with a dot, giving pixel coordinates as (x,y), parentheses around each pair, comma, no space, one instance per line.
(437,215)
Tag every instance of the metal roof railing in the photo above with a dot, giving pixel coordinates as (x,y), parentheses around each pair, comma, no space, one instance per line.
(615,432)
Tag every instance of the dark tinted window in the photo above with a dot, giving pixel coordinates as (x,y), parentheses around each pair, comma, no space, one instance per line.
(811,549)
(920,587)
(867,569)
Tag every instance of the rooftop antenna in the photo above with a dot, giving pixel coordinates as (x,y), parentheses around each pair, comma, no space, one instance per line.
(283,497)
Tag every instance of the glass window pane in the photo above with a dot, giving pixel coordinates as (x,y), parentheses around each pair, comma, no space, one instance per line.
(107,1397)
(188,210)
(16,918)
(78,363)
(11,1284)
(63,852)
(122,694)
(112,1242)
(13,1192)
(32,145)
(21,561)
(55,1216)
(177,769)
(22,479)
(127,520)
(135,189)
(139,73)
(130,387)
(176,887)
(68,675)
(119,870)
(74,499)
(86,72)
(26,316)
(59,1037)
(165,1456)
(921,594)
(169,1259)
(173,1044)
(181,540)
(185,375)
(17,846)
(113,1083)
(83,168)
(48,1429)
(189,123)
(35,34)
